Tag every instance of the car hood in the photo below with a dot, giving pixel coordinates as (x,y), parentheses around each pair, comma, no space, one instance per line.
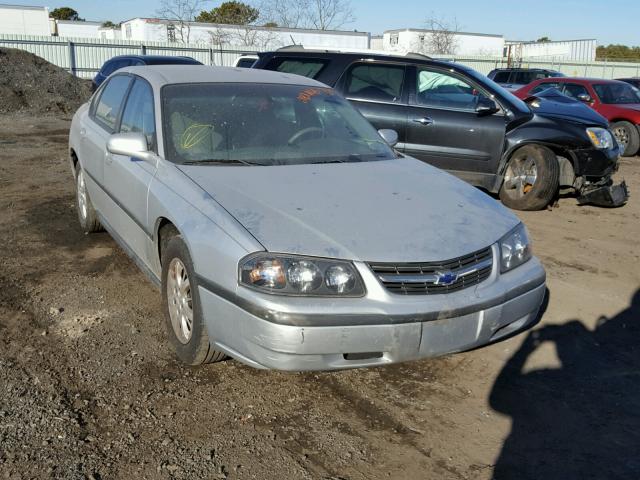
(555,104)
(398,210)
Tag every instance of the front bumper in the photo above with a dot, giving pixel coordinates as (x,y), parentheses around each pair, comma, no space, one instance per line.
(338,340)
(605,195)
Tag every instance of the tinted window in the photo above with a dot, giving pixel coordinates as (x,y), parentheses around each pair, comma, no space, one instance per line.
(245,62)
(527,76)
(501,77)
(138,112)
(375,82)
(573,90)
(111,98)
(310,68)
(266,125)
(617,93)
(544,86)
(440,89)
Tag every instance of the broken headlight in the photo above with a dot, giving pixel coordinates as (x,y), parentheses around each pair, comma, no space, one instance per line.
(515,248)
(297,275)
(601,138)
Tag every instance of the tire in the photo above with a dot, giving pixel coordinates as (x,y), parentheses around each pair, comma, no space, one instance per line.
(628,136)
(191,342)
(531,178)
(86,213)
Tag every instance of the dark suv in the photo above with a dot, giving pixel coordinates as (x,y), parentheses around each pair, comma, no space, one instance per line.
(453,117)
(122,61)
(515,78)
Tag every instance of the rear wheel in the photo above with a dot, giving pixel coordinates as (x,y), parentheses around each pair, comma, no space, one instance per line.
(183,311)
(628,137)
(531,178)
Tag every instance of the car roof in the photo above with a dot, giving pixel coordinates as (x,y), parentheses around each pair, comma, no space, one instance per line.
(160,75)
(524,69)
(154,58)
(577,79)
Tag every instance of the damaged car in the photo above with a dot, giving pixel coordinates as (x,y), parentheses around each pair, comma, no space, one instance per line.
(450,116)
(284,231)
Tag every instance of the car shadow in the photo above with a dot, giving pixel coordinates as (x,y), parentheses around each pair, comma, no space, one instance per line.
(582,419)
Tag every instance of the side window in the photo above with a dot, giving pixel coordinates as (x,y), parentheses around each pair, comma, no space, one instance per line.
(110,102)
(138,113)
(443,90)
(526,77)
(501,77)
(573,90)
(544,86)
(310,68)
(381,83)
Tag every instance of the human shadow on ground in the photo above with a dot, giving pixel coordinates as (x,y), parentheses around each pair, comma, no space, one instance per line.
(581,420)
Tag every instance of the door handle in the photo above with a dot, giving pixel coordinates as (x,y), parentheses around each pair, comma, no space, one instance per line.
(423,120)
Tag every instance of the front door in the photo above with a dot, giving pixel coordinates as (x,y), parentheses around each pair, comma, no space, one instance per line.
(127,179)
(443,126)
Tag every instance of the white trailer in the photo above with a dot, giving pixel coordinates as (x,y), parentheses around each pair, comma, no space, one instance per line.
(24,20)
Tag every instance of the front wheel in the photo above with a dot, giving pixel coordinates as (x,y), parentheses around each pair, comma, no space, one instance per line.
(628,137)
(86,213)
(531,178)
(183,311)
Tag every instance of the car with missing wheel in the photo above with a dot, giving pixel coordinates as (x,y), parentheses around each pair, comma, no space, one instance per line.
(452,117)
(285,232)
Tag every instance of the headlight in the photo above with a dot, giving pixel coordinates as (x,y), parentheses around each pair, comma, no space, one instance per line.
(515,248)
(600,137)
(297,275)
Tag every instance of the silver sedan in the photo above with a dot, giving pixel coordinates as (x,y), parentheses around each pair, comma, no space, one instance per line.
(285,232)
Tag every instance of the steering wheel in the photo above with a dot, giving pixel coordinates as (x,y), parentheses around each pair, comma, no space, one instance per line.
(305,131)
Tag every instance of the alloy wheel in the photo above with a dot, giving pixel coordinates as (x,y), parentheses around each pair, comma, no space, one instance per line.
(180,301)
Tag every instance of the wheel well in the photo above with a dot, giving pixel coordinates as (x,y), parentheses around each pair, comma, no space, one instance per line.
(74,158)
(165,232)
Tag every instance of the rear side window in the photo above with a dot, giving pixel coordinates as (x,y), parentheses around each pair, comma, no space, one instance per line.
(526,77)
(310,68)
(138,113)
(111,98)
(501,77)
(381,83)
(545,86)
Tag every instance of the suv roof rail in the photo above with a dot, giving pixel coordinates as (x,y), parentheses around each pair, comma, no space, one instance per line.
(300,48)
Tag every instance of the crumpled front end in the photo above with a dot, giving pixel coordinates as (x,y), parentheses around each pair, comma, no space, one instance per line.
(594,169)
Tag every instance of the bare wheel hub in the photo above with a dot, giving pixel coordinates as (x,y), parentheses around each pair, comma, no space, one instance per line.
(521,175)
(180,301)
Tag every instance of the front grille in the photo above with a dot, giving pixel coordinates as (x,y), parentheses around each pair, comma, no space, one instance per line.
(431,278)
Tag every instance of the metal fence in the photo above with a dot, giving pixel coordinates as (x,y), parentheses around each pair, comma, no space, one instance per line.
(84,56)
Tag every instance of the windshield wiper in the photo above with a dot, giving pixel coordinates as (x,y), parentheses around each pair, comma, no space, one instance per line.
(219,161)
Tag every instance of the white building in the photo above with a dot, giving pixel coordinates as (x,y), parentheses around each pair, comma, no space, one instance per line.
(78,29)
(567,50)
(24,20)
(462,43)
(254,37)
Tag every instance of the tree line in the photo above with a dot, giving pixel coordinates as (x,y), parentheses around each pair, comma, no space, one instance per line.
(621,53)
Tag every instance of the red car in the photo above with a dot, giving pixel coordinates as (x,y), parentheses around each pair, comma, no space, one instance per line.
(618,102)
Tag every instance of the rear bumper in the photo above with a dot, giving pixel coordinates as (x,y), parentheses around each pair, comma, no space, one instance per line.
(266,344)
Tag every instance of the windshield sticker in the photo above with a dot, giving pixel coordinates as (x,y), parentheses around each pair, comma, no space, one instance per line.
(194,135)
(308,93)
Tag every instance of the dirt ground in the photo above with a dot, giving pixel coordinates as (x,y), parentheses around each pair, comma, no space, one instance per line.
(89,387)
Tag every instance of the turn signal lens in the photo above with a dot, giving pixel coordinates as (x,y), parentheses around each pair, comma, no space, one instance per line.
(268,274)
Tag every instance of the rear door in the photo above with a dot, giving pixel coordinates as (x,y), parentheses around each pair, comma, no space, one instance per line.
(127,179)
(102,122)
(378,91)
(443,128)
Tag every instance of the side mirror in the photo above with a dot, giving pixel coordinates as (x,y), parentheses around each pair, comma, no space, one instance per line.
(585,97)
(132,145)
(486,106)
(389,136)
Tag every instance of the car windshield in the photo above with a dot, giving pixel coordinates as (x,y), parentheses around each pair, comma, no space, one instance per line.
(617,93)
(265,124)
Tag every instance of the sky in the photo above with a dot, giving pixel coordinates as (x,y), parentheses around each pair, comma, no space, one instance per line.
(611,21)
